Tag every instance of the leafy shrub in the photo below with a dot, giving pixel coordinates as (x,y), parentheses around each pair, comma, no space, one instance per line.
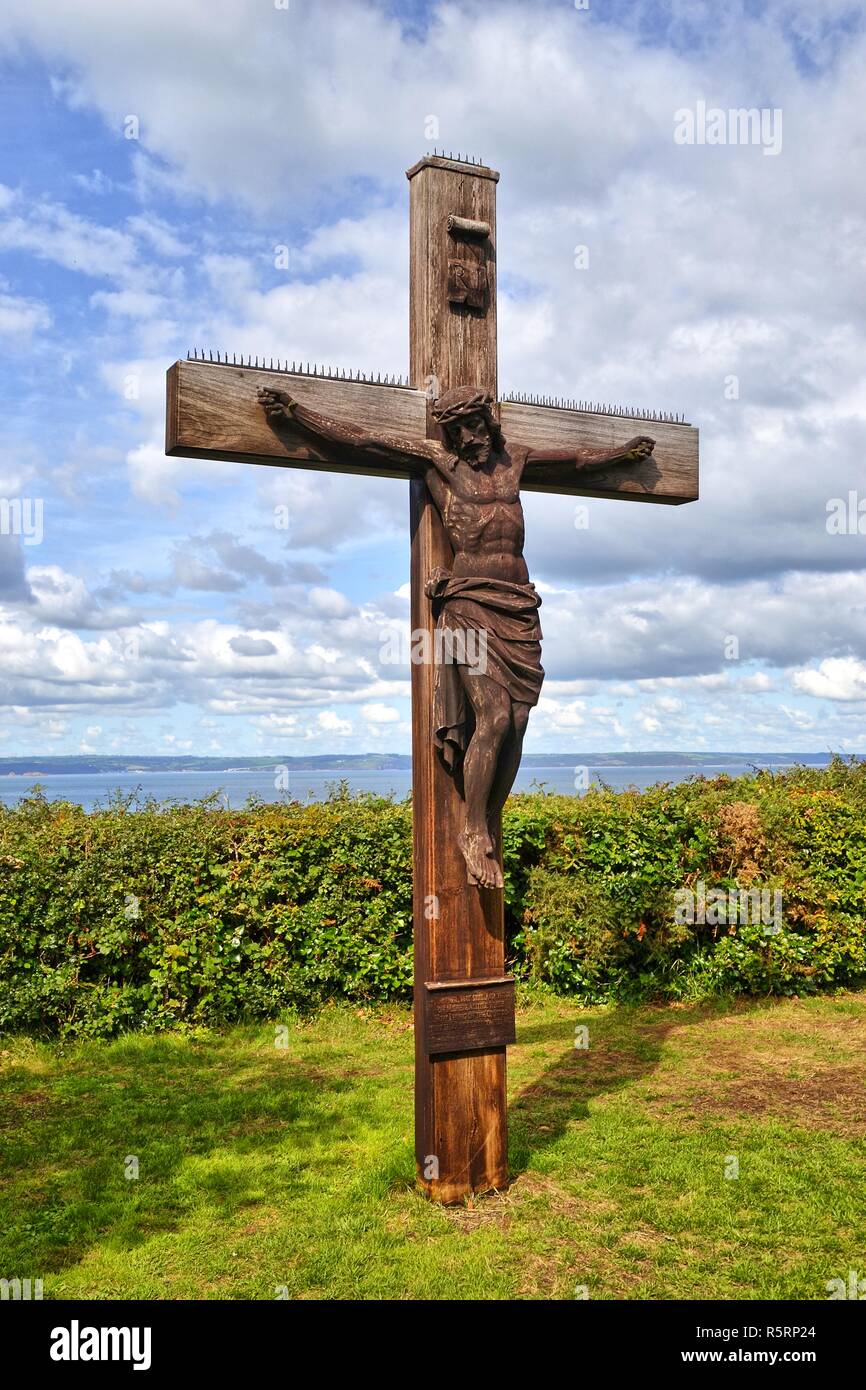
(153,916)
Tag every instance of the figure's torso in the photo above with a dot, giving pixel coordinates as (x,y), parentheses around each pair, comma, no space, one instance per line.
(484,519)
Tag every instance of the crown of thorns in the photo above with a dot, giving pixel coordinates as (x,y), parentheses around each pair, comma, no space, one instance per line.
(464,400)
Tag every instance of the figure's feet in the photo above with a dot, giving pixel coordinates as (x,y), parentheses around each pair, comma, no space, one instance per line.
(481,863)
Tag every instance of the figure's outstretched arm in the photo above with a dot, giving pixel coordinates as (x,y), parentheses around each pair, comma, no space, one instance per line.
(584,459)
(281,409)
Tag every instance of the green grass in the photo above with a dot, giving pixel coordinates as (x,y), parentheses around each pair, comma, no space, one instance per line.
(263,1168)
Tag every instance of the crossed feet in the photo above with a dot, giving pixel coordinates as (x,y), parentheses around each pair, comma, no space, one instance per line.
(482,864)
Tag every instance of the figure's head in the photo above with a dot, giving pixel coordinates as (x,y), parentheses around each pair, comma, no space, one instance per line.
(470,429)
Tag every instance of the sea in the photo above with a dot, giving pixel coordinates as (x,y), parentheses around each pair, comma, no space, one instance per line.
(234,787)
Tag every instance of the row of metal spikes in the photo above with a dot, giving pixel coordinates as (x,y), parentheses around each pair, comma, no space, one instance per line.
(595,408)
(276,364)
(459,158)
(271,364)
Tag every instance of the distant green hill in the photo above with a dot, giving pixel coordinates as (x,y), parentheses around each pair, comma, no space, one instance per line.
(353,762)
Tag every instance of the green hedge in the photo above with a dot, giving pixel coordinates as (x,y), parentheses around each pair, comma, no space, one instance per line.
(149,916)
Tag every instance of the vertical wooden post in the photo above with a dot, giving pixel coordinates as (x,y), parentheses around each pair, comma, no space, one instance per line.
(460,1098)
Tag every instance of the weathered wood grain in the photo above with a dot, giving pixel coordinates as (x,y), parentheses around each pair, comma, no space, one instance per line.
(670,475)
(213,412)
(460,1098)
(459,343)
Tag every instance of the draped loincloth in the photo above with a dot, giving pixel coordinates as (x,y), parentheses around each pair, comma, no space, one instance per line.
(490,627)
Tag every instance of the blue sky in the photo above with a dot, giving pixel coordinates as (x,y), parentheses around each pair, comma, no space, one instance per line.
(163,610)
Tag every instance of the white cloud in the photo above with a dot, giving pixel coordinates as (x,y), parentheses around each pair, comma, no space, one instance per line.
(20,318)
(135,304)
(330,723)
(836,678)
(51,232)
(380,714)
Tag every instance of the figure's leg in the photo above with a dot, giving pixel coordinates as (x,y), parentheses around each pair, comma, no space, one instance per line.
(509,760)
(491,706)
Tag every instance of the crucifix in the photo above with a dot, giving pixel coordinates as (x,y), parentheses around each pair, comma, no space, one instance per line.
(467,455)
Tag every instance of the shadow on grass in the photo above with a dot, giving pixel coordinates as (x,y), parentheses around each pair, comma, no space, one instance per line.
(623,1047)
(209,1130)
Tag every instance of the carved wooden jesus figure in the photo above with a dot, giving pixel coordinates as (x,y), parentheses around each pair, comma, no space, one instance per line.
(487,685)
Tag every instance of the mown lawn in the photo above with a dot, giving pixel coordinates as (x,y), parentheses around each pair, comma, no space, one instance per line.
(265,1169)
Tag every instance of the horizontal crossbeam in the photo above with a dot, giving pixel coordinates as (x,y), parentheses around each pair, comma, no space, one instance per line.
(213,412)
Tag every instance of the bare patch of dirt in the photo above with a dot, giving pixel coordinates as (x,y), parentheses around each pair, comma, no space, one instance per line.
(832,1099)
(785,1061)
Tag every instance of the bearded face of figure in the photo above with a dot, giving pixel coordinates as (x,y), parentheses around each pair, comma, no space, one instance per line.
(471,439)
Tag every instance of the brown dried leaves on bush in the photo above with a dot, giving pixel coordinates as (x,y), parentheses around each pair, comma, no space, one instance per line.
(740,823)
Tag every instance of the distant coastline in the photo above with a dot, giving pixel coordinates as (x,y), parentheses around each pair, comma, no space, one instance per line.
(82,765)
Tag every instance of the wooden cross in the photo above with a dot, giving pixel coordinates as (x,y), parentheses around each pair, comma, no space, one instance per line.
(464,1000)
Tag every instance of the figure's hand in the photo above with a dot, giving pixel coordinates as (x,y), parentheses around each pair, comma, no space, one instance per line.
(435,581)
(638,448)
(278,405)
